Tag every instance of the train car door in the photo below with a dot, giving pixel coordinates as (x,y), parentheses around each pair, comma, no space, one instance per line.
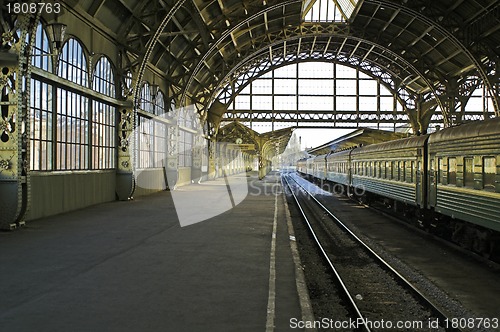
(433,180)
(418,181)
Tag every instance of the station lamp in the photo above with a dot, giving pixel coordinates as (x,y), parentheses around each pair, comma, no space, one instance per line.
(154,88)
(56,31)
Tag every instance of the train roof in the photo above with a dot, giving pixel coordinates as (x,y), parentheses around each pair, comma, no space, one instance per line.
(356,138)
(473,129)
(343,152)
(321,156)
(405,143)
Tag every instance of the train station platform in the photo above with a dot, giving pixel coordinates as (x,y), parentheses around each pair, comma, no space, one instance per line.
(131,266)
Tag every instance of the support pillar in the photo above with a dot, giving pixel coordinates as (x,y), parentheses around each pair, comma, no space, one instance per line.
(125,182)
(212,168)
(262,168)
(15,80)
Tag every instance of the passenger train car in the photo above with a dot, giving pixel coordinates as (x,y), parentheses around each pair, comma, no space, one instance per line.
(448,181)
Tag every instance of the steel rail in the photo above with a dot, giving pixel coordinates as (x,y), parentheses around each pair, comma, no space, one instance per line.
(434,309)
(325,255)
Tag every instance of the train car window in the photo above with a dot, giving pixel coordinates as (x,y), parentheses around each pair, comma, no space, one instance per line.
(440,170)
(432,166)
(489,173)
(412,171)
(403,171)
(468,172)
(452,171)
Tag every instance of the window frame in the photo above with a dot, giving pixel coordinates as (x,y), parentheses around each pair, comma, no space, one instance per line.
(451,175)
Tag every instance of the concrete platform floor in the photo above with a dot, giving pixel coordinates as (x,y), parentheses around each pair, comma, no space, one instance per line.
(130,266)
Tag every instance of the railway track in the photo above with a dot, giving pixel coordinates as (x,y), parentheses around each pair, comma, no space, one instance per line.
(375,295)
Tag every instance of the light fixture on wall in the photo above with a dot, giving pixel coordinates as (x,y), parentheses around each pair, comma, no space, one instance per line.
(57,32)
(154,90)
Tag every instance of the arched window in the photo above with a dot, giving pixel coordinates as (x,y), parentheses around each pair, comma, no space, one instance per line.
(320,92)
(72,139)
(145,99)
(160,103)
(73,63)
(41,126)
(126,84)
(103,117)
(104,78)
(185,138)
(152,140)
(41,104)
(160,131)
(172,105)
(68,130)
(145,142)
(41,50)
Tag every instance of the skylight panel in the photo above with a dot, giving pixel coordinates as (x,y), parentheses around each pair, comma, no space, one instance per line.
(329,10)
(347,7)
(323,11)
